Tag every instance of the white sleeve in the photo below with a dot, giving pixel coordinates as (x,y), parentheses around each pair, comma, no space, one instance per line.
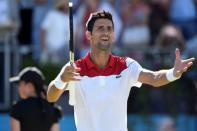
(134,69)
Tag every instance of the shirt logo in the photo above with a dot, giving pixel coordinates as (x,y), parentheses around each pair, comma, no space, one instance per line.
(118,76)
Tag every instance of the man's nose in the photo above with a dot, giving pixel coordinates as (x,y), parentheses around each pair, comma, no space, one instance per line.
(105,31)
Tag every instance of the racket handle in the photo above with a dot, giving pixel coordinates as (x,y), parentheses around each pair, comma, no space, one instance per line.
(71,45)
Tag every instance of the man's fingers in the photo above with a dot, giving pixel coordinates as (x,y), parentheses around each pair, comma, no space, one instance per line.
(73,74)
(189,64)
(185,69)
(74,79)
(77,69)
(178,72)
(177,53)
(189,60)
(72,69)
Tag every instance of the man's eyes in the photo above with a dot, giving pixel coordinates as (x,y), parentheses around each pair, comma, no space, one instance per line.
(102,28)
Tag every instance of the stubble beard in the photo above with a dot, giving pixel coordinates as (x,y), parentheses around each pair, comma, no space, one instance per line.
(104,46)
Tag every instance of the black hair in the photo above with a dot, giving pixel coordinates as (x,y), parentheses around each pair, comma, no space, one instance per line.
(98,15)
(41,94)
(39,88)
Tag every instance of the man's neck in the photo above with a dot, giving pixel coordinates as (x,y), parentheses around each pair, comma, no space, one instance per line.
(100,59)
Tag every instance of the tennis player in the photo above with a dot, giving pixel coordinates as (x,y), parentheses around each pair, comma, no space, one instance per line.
(103,81)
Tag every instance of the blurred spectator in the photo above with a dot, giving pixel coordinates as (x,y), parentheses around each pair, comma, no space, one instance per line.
(33,112)
(169,38)
(158,17)
(135,17)
(167,124)
(76,5)
(5,14)
(55,34)
(183,14)
(116,4)
(110,7)
(25,3)
(191,47)
(40,10)
(135,32)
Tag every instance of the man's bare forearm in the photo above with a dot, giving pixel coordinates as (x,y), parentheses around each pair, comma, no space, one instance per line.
(154,78)
(159,78)
(53,93)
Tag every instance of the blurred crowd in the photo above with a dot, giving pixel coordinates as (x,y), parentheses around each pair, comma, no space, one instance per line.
(141,27)
(146,30)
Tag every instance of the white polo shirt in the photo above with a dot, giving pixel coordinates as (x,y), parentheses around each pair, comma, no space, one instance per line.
(102,94)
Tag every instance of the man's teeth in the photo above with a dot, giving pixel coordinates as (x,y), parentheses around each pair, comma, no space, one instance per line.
(105,39)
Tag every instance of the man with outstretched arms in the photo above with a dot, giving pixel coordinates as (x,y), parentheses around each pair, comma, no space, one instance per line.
(103,81)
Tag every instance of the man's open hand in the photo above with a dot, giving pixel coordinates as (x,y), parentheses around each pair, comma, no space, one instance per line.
(181,66)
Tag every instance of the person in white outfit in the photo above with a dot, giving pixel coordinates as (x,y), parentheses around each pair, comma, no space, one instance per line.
(102,81)
(55,34)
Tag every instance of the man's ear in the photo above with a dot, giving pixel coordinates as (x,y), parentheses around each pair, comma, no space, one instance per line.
(88,35)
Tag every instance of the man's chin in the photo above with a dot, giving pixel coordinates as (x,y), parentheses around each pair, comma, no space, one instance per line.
(104,46)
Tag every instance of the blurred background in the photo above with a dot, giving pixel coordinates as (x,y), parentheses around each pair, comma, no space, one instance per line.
(36,33)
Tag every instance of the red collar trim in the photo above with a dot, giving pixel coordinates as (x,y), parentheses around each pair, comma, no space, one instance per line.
(90,64)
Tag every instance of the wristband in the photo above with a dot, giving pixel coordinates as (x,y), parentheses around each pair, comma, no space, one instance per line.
(170,76)
(59,84)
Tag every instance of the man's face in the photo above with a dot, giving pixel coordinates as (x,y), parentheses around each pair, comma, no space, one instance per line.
(102,35)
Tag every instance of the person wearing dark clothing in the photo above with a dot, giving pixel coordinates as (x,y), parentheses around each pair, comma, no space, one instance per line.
(33,112)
